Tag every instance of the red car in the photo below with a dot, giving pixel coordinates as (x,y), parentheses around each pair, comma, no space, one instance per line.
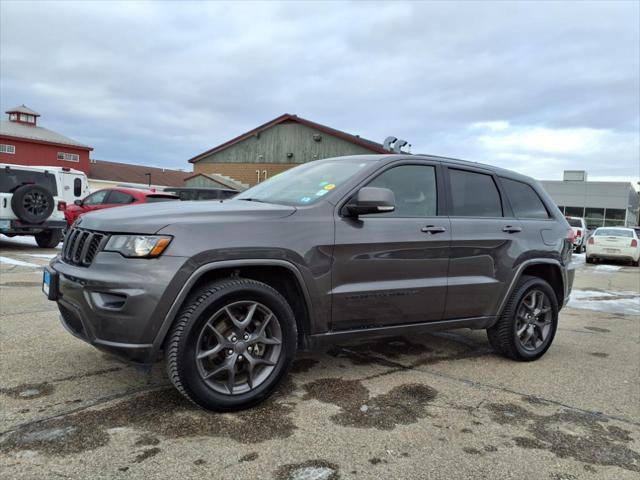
(113,197)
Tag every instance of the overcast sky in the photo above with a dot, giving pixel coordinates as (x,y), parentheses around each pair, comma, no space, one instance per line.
(536,87)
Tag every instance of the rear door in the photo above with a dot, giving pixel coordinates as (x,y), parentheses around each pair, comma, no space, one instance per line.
(486,242)
(391,268)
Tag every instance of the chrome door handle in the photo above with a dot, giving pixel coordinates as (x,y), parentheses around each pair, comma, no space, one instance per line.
(432,229)
(512,229)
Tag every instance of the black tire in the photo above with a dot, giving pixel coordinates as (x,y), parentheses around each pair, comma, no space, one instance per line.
(636,263)
(49,238)
(32,203)
(589,260)
(183,342)
(503,335)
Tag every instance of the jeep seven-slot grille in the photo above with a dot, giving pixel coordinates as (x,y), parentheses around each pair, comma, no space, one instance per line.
(80,246)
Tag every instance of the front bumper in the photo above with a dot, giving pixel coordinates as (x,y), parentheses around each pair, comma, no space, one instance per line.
(113,303)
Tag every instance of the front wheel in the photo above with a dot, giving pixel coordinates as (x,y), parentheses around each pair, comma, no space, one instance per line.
(528,323)
(49,238)
(231,345)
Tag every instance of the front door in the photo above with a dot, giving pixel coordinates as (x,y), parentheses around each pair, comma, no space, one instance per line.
(391,268)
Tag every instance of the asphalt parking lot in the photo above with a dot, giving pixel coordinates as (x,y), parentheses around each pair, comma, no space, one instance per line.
(436,406)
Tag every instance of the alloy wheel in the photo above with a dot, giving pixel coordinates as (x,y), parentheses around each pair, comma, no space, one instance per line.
(238,347)
(533,320)
(35,203)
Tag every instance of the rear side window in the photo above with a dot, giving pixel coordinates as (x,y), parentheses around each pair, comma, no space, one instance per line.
(414,187)
(524,200)
(11,179)
(474,194)
(77,187)
(119,198)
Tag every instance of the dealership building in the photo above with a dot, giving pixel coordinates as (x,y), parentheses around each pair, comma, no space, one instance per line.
(602,204)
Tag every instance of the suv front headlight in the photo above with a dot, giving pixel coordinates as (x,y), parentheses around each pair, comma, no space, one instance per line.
(138,246)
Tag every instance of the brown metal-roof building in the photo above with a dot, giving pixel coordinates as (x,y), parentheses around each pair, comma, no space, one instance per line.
(104,174)
(271,148)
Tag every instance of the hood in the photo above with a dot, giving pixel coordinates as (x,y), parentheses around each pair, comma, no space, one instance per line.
(149,218)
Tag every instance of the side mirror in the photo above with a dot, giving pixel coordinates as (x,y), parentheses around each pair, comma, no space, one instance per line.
(372,200)
(78,202)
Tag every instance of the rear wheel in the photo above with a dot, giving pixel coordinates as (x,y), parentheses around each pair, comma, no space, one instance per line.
(231,345)
(589,260)
(49,238)
(528,324)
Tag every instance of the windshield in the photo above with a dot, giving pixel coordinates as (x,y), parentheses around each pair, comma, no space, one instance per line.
(305,184)
(614,232)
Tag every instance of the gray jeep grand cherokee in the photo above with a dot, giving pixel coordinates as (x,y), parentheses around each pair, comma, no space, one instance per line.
(331,251)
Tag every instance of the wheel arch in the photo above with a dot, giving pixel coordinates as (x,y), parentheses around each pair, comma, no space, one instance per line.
(549,270)
(281,275)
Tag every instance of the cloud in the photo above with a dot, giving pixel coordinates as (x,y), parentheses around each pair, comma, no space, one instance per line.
(158,82)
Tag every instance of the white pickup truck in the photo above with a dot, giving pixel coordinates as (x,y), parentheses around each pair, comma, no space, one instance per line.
(33,200)
(580,233)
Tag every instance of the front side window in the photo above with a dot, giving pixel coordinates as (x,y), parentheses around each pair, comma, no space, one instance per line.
(524,200)
(474,194)
(77,187)
(305,184)
(414,187)
(119,197)
(96,198)
(10,149)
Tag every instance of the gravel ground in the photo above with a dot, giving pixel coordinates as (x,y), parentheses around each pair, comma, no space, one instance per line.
(434,406)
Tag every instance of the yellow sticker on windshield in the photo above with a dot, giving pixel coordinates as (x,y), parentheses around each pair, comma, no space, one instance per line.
(331,186)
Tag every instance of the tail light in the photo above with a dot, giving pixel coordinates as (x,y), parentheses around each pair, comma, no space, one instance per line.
(62,206)
(634,243)
(591,241)
(571,235)
(579,233)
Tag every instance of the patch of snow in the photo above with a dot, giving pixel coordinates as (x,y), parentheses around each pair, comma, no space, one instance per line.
(23,240)
(578,258)
(625,303)
(40,255)
(607,268)
(19,263)
(29,392)
(312,473)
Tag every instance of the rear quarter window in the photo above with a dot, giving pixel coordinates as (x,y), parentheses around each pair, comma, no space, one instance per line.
(525,202)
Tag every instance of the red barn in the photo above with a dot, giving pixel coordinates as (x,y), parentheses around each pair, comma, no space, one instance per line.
(23,142)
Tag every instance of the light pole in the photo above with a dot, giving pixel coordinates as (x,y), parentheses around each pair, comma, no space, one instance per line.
(148,179)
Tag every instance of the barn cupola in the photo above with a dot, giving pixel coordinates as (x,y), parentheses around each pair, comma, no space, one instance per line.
(24,115)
